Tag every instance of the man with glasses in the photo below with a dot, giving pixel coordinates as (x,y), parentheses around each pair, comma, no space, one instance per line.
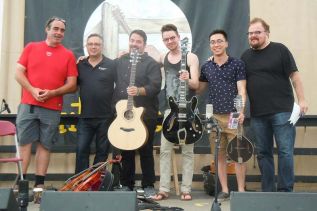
(96,81)
(46,71)
(271,72)
(173,74)
(225,78)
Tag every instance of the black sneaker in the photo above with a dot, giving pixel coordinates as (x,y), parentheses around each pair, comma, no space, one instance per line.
(223,196)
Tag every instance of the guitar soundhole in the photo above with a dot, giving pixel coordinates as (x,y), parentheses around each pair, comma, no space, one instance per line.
(128,114)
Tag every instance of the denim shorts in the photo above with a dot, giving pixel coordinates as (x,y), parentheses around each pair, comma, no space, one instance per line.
(36,123)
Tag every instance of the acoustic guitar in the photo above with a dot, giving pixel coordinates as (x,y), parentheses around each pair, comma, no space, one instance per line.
(127,131)
(183,125)
(240,149)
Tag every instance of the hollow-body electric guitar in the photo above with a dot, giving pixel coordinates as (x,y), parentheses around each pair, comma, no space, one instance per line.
(183,125)
(127,131)
(240,149)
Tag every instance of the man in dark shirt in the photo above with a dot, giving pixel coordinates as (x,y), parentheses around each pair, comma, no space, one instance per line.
(225,78)
(269,68)
(145,94)
(96,82)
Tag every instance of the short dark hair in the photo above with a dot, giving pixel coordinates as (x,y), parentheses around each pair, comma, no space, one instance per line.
(264,24)
(219,31)
(95,35)
(141,33)
(169,27)
(54,18)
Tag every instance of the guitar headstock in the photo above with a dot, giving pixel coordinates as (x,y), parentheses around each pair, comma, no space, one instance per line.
(134,56)
(184,44)
(238,103)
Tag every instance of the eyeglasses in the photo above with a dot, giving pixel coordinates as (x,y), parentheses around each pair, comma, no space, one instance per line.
(214,42)
(48,23)
(169,38)
(93,44)
(254,33)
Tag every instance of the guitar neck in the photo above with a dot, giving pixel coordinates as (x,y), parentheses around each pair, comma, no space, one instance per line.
(183,83)
(132,79)
(240,131)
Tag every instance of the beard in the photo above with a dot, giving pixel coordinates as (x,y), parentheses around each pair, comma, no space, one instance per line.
(256,45)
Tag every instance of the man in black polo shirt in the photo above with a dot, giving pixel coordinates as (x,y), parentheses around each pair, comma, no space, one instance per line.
(96,82)
(145,94)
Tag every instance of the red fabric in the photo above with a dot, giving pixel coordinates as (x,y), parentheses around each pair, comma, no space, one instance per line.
(47,68)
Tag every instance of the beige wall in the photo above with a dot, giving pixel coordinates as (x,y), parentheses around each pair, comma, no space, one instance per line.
(11,44)
(294,23)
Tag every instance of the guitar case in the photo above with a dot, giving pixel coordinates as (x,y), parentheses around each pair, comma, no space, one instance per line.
(107,181)
(209,181)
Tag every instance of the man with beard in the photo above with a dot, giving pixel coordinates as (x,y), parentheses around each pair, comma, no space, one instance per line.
(173,74)
(271,72)
(46,71)
(145,94)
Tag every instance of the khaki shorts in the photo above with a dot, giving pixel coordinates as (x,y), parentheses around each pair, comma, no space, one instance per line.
(36,123)
(226,133)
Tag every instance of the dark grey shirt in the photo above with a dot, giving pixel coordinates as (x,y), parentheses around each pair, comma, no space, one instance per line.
(148,75)
(96,85)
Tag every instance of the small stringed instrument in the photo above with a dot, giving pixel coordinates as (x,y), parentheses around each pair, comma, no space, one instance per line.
(183,125)
(89,179)
(240,149)
(127,131)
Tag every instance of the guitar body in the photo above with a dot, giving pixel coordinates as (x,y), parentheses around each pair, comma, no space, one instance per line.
(127,131)
(240,150)
(182,125)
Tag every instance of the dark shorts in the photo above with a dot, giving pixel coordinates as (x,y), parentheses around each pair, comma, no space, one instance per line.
(36,123)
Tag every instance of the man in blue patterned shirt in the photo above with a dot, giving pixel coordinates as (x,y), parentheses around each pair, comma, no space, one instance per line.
(225,77)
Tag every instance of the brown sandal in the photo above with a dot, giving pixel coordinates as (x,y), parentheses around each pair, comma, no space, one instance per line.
(186,197)
(160,196)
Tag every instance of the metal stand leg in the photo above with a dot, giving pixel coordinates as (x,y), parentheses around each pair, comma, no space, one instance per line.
(216,205)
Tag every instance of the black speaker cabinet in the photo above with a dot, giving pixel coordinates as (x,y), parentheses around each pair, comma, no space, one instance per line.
(273,201)
(88,201)
(8,201)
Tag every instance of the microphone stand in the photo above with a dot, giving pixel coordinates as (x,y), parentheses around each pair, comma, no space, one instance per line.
(216,205)
(210,124)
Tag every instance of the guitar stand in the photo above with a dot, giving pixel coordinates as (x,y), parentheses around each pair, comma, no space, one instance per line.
(210,124)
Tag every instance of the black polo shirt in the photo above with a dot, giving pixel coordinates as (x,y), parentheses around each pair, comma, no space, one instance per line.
(96,85)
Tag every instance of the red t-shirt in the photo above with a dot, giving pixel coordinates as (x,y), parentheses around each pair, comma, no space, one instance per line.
(47,68)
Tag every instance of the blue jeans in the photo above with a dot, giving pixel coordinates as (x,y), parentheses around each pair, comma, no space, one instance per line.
(89,128)
(277,126)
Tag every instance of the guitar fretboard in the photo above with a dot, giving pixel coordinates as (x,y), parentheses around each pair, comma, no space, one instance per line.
(183,83)
(134,59)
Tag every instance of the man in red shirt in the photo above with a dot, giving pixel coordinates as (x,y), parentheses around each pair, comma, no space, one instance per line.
(46,71)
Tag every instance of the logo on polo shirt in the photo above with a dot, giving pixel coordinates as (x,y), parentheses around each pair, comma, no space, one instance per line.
(49,53)
(102,68)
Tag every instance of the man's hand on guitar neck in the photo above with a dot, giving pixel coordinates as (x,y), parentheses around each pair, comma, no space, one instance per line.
(241,118)
(183,75)
(135,91)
